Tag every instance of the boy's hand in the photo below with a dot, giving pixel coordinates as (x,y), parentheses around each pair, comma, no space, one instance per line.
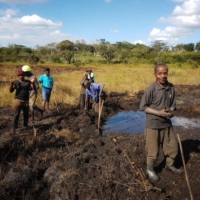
(164,113)
(32,79)
(11,79)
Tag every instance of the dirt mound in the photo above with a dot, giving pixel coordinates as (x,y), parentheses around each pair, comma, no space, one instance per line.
(64,156)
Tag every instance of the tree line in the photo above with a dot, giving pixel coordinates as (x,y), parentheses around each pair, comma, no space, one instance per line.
(79,53)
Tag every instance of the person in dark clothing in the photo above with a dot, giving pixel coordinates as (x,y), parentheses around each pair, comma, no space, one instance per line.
(32,93)
(159,104)
(83,91)
(21,101)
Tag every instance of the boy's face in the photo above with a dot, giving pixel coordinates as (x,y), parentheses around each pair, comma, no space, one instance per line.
(21,78)
(47,72)
(28,74)
(161,74)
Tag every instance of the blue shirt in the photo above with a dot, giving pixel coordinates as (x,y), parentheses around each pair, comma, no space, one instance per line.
(47,81)
(94,91)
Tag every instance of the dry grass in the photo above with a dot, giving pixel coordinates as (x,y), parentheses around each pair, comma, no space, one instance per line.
(67,134)
(117,78)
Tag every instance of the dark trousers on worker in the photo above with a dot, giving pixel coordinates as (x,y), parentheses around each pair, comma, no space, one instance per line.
(18,106)
(161,137)
(82,101)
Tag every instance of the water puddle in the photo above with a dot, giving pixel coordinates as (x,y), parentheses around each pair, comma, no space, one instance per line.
(134,122)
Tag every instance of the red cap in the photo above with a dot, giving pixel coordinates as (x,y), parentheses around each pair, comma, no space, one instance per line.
(20,73)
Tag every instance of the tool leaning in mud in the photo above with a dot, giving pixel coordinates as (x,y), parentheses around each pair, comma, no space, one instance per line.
(101,102)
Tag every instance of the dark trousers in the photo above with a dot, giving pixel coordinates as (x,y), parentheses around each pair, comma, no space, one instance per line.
(18,106)
(82,101)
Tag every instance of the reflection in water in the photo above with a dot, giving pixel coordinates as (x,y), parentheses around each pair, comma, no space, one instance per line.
(134,122)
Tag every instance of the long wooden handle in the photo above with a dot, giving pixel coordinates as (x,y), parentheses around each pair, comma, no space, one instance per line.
(100,110)
(186,175)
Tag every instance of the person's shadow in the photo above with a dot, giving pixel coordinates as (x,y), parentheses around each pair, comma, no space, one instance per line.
(188,147)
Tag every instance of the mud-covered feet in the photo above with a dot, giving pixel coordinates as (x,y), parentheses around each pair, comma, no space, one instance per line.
(152,175)
(41,112)
(173,169)
(48,111)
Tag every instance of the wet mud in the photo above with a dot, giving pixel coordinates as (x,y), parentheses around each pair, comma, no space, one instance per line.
(63,155)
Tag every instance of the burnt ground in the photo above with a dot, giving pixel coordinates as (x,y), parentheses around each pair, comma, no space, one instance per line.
(63,156)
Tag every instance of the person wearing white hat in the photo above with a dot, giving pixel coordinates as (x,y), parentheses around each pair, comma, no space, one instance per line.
(90,75)
(33,93)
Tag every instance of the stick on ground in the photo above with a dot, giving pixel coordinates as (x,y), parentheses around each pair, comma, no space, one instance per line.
(183,159)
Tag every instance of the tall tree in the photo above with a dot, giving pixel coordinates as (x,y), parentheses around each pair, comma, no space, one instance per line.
(159,46)
(197,46)
(189,47)
(68,55)
(65,45)
(179,48)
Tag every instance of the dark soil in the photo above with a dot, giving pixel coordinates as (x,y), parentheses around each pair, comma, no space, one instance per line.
(64,156)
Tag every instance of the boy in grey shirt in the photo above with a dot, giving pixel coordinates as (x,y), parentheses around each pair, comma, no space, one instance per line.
(159,104)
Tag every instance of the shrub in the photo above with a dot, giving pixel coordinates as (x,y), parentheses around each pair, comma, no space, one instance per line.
(193,64)
(56,59)
(77,63)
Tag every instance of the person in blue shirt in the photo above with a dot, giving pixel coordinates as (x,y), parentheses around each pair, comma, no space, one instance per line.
(94,91)
(47,82)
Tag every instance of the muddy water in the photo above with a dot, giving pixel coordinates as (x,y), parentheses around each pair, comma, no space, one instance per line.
(134,122)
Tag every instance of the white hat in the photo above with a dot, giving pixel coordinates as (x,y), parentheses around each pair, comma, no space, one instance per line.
(26,68)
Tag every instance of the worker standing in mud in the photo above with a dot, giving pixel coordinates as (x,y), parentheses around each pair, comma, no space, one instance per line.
(96,92)
(21,101)
(47,82)
(33,93)
(159,104)
(83,91)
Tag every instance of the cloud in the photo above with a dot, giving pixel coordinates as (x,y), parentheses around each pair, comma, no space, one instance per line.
(190,7)
(186,16)
(35,20)
(192,21)
(183,22)
(107,1)
(169,35)
(22,1)
(138,42)
(179,0)
(30,22)
(114,31)
(169,32)
(8,12)
(30,30)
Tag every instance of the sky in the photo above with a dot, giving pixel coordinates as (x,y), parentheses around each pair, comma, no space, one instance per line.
(42,22)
